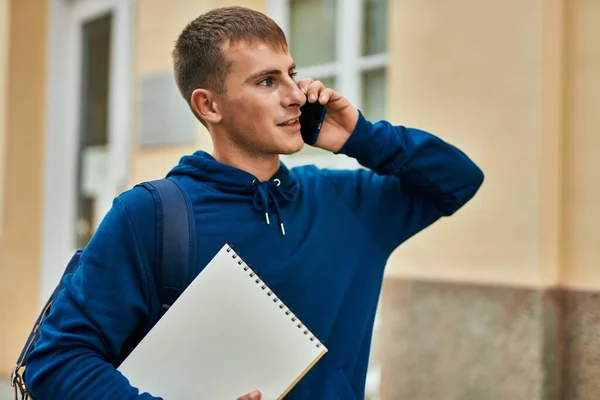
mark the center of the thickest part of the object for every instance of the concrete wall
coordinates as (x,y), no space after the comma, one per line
(20,242)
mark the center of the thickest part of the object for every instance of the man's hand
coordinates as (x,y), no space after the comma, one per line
(340,119)
(255,395)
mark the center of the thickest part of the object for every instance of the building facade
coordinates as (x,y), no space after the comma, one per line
(500,301)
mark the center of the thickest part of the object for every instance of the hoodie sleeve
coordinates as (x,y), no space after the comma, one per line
(412,178)
(103,304)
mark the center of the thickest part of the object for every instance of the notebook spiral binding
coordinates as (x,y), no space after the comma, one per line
(270,293)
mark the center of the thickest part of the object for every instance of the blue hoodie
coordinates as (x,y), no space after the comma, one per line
(320,238)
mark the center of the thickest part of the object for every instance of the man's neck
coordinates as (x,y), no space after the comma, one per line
(262,167)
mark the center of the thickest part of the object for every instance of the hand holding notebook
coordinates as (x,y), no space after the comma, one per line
(255,395)
(226,335)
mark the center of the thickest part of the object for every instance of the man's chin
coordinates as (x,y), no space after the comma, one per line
(291,150)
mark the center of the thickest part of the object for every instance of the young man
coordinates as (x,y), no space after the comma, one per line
(320,238)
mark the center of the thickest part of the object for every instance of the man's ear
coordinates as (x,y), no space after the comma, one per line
(204,103)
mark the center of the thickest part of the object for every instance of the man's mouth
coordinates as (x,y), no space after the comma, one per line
(291,122)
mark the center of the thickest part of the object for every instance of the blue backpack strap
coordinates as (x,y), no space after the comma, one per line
(16,378)
(176,233)
(175,253)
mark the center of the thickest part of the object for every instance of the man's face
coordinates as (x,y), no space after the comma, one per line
(262,103)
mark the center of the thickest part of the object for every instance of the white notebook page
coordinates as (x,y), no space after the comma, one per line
(223,338)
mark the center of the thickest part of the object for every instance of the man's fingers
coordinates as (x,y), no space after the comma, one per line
(326,95)
(255,395)
(304,83)
(314,91)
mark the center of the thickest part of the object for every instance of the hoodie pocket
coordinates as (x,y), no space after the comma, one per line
(338,387)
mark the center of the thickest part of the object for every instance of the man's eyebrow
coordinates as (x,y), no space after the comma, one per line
(266,72)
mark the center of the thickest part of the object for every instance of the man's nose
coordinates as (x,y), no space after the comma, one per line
(294,97)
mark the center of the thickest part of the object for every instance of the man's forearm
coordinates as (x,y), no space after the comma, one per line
(425,164)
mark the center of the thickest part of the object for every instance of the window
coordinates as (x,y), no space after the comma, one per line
(342,43)
(94,118)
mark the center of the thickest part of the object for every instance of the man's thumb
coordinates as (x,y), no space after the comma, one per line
(255,395)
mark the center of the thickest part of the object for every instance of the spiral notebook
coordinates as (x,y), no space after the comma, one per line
(227,335)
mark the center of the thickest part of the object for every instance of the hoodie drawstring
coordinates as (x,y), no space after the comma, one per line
(267,192)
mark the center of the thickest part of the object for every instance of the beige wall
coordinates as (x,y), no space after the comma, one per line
(158,25)
(20,244)
(582,146)
(515,87)
(4,35)
(478,87)
(489,76)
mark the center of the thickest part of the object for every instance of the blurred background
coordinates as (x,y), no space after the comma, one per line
(500,301)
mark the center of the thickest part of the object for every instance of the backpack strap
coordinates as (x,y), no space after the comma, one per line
(16,377)
(176,233)
(175,252)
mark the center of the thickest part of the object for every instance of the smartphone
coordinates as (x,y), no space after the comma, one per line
(311,121)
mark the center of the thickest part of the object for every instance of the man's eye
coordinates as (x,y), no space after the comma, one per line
(293,75)
(266,82)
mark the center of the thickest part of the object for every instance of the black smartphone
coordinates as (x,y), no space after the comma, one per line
(311,120)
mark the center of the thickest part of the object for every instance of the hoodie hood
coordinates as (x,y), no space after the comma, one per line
(267,197)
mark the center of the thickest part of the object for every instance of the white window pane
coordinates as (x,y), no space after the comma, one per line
(312,31)
(375,35)
(374,92)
